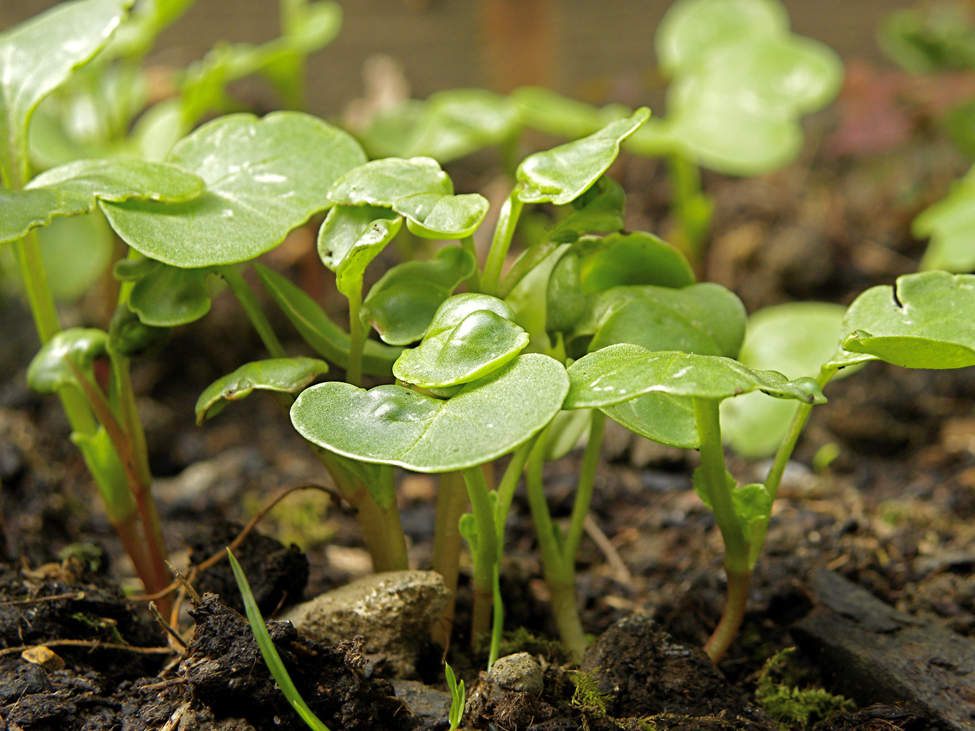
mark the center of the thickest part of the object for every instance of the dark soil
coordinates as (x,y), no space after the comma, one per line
(892,513)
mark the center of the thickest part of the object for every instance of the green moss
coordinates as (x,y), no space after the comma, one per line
(587,695)
(787,705)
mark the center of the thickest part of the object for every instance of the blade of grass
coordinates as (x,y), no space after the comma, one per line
(270,653)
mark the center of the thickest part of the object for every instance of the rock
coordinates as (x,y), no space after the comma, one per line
(519,672)
(393,613)
(428,705)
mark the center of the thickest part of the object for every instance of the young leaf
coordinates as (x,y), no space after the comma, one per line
(562,174)
(264,177)
(76,188)
(924,321)
(57,363)
(402,304)
(470,336)
(621,372)
(284,375)
(417,189)
(350,238)
(949,223)
(752,506)
(393,425)
(38,56)
(598,210)
(163,295)
(319,331)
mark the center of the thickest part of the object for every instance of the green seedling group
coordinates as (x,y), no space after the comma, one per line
(479,355)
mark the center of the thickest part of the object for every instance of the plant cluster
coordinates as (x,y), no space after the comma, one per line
(477,359)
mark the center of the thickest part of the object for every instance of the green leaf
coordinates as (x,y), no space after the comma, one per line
(635,258)
(319,331)
(76,252)
(621,372)
(38,56)
(401,305)
(264,177)
(470,336)
(163,295)
(393,425)
(562,174)
(600,210)
(924,321)
(949,224)
(417,189)
(283,375)
(54,366)
(752,505)
(660,417)
(546,110)
(565,301)
(794,339)
(75,189)
(692,27)
(448,125)
(704,318)
(269,652)
(350,238)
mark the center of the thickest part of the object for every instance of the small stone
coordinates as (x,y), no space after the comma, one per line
(43,656)
(393,612)
(519,672)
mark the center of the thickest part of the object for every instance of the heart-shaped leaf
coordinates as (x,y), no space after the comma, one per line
(417,189)
(393,425)
(319,331)
(562,174)
(54,366)
(635,258)
(283,375)
(264,177)
(76,188)
(402,304)
(924,321)
(163,295)
(621,372)
(350,238)
(704,318)
(38,56)
(470,336)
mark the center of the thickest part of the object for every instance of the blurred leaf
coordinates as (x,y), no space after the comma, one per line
(393,425)
(546,110)
(76,252)
(950,223)
(283,375)
(264,178)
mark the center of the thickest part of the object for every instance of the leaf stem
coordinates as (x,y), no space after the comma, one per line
(473,282)
(447,545)
(584,488)
(486,553)
(559,572)
(734,612)
(504,232)
(245,295)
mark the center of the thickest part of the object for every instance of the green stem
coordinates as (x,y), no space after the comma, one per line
(245,295)
(692,207)
(559,573)
(712,478)
(357,340)
(584,490)
(509,481)
(473,282)
(504,232)
(485,554)
(447,545)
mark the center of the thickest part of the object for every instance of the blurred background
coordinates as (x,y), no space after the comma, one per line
(593,51)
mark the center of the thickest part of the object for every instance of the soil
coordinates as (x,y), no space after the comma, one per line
(893,512)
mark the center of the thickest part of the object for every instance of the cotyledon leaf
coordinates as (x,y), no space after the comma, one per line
(394,425)
(264,177)
(75,189)
(924,321)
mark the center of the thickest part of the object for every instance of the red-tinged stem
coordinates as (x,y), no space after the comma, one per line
(734,612)
(447,546)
